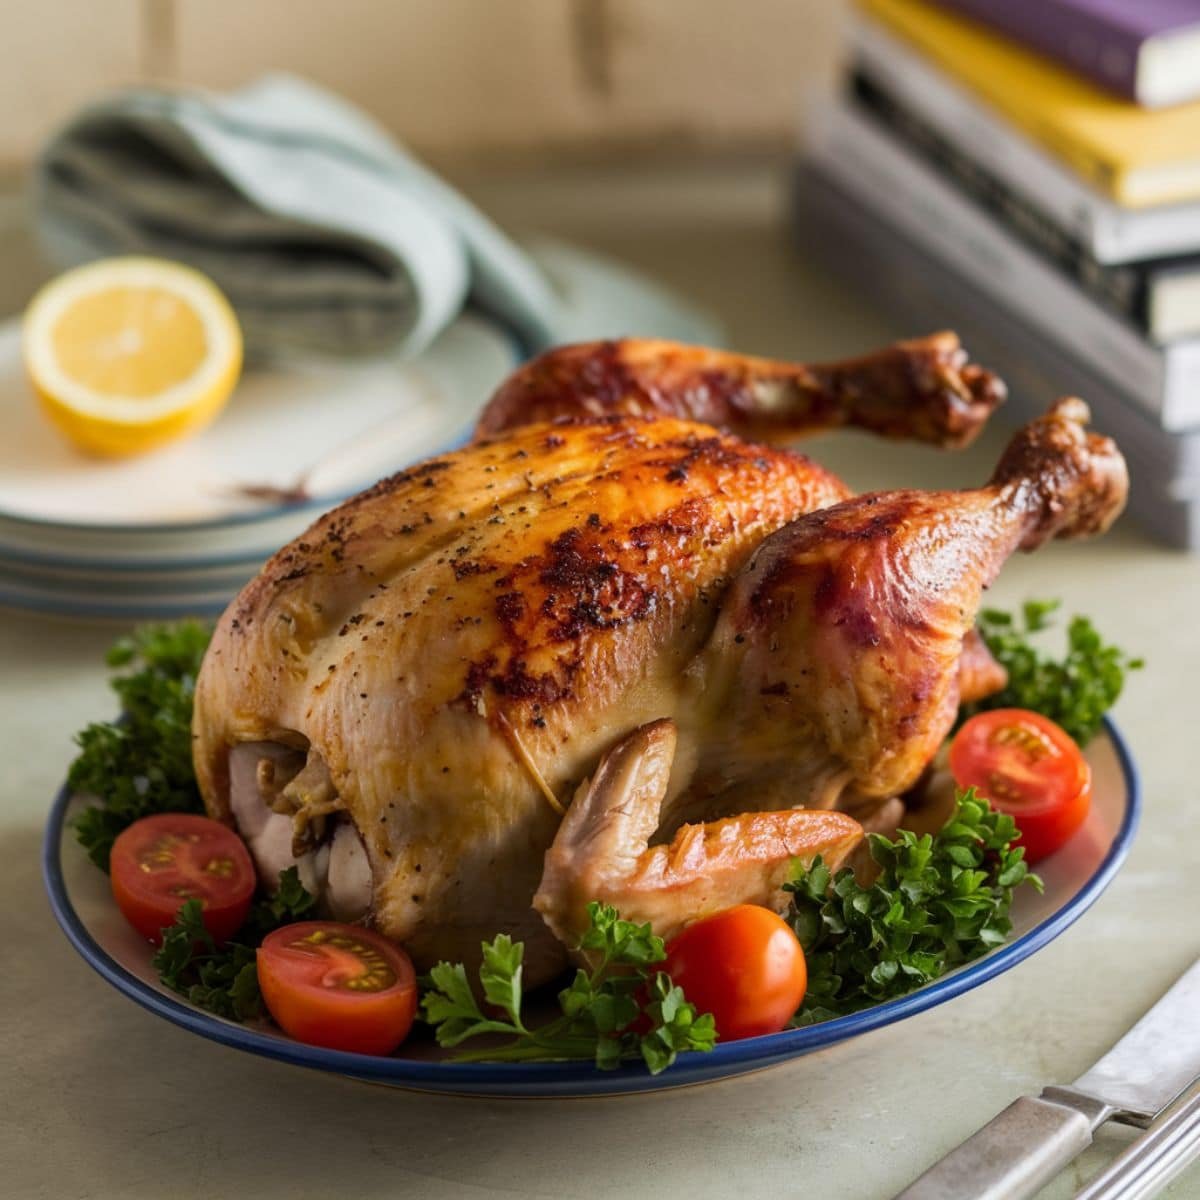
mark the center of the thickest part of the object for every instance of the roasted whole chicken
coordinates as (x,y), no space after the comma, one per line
(612,650)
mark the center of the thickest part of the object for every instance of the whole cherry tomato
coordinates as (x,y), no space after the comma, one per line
(743,965)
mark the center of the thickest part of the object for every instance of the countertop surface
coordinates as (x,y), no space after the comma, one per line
(101,1099)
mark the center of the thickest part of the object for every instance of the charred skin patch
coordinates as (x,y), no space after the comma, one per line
(713,453)
(608,572)
(544,688)
(510,609)
(589,585)
(465,568)
(583,584)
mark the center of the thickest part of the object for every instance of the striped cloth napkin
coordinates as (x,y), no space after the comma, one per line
(323,232)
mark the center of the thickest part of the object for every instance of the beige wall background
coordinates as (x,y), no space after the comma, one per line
(458,80)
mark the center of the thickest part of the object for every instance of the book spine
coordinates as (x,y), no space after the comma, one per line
(972,127)
(1082,41)
(1123,289)
(1112,234)
(906,194)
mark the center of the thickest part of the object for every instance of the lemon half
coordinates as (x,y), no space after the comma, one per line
(128,353)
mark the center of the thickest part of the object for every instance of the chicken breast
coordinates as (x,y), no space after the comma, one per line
(456,647)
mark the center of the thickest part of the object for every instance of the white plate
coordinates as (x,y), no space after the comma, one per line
(333,426)
(166,550)
(87,605)
(202,595)
(78,578)
(129,594)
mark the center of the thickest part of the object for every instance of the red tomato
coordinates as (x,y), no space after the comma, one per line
(1028,767)
(161,861)
(339,986)
(743,965)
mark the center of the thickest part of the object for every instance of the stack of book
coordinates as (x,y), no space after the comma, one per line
(1027,172)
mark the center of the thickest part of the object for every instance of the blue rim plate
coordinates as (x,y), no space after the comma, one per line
(1074,877)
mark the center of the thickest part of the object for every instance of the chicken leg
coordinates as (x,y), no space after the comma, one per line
(832,676)
(924,389)
(842,640)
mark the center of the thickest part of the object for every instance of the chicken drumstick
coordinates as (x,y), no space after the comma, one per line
(923,389)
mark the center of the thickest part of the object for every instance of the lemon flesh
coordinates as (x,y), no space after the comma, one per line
(127,354)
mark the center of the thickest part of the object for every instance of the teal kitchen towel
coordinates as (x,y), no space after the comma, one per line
(323,232)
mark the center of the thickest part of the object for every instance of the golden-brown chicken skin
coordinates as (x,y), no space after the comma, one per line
(698,648)
(473,633)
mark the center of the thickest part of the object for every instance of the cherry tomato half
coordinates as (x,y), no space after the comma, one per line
(743,965)
(339,986)
(161,861)
(1028,767)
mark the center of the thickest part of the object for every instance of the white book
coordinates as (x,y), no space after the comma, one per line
(1111,234)
(905,193)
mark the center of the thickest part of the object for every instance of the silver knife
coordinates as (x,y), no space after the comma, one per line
(1024,1147)
(1148,1164)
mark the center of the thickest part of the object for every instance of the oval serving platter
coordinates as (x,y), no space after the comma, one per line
(1074,878)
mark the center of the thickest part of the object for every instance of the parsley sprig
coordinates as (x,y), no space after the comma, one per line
(617,1010)
(224,980)
(1075,691)
(142,763)
(938,901)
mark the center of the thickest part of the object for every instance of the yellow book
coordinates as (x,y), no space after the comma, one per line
(1138,156)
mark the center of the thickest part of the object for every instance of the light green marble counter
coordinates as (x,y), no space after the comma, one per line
(100,1099)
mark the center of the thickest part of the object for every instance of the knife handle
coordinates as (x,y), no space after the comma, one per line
(1016,1152)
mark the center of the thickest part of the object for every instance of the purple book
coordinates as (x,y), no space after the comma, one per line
(1147,50)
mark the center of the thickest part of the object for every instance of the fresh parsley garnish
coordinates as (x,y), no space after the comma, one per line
(619,1009)
(938,901)
(224,980)
(142,763)
(1075,691)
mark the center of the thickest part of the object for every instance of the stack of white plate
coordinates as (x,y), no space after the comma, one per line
(177,532)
